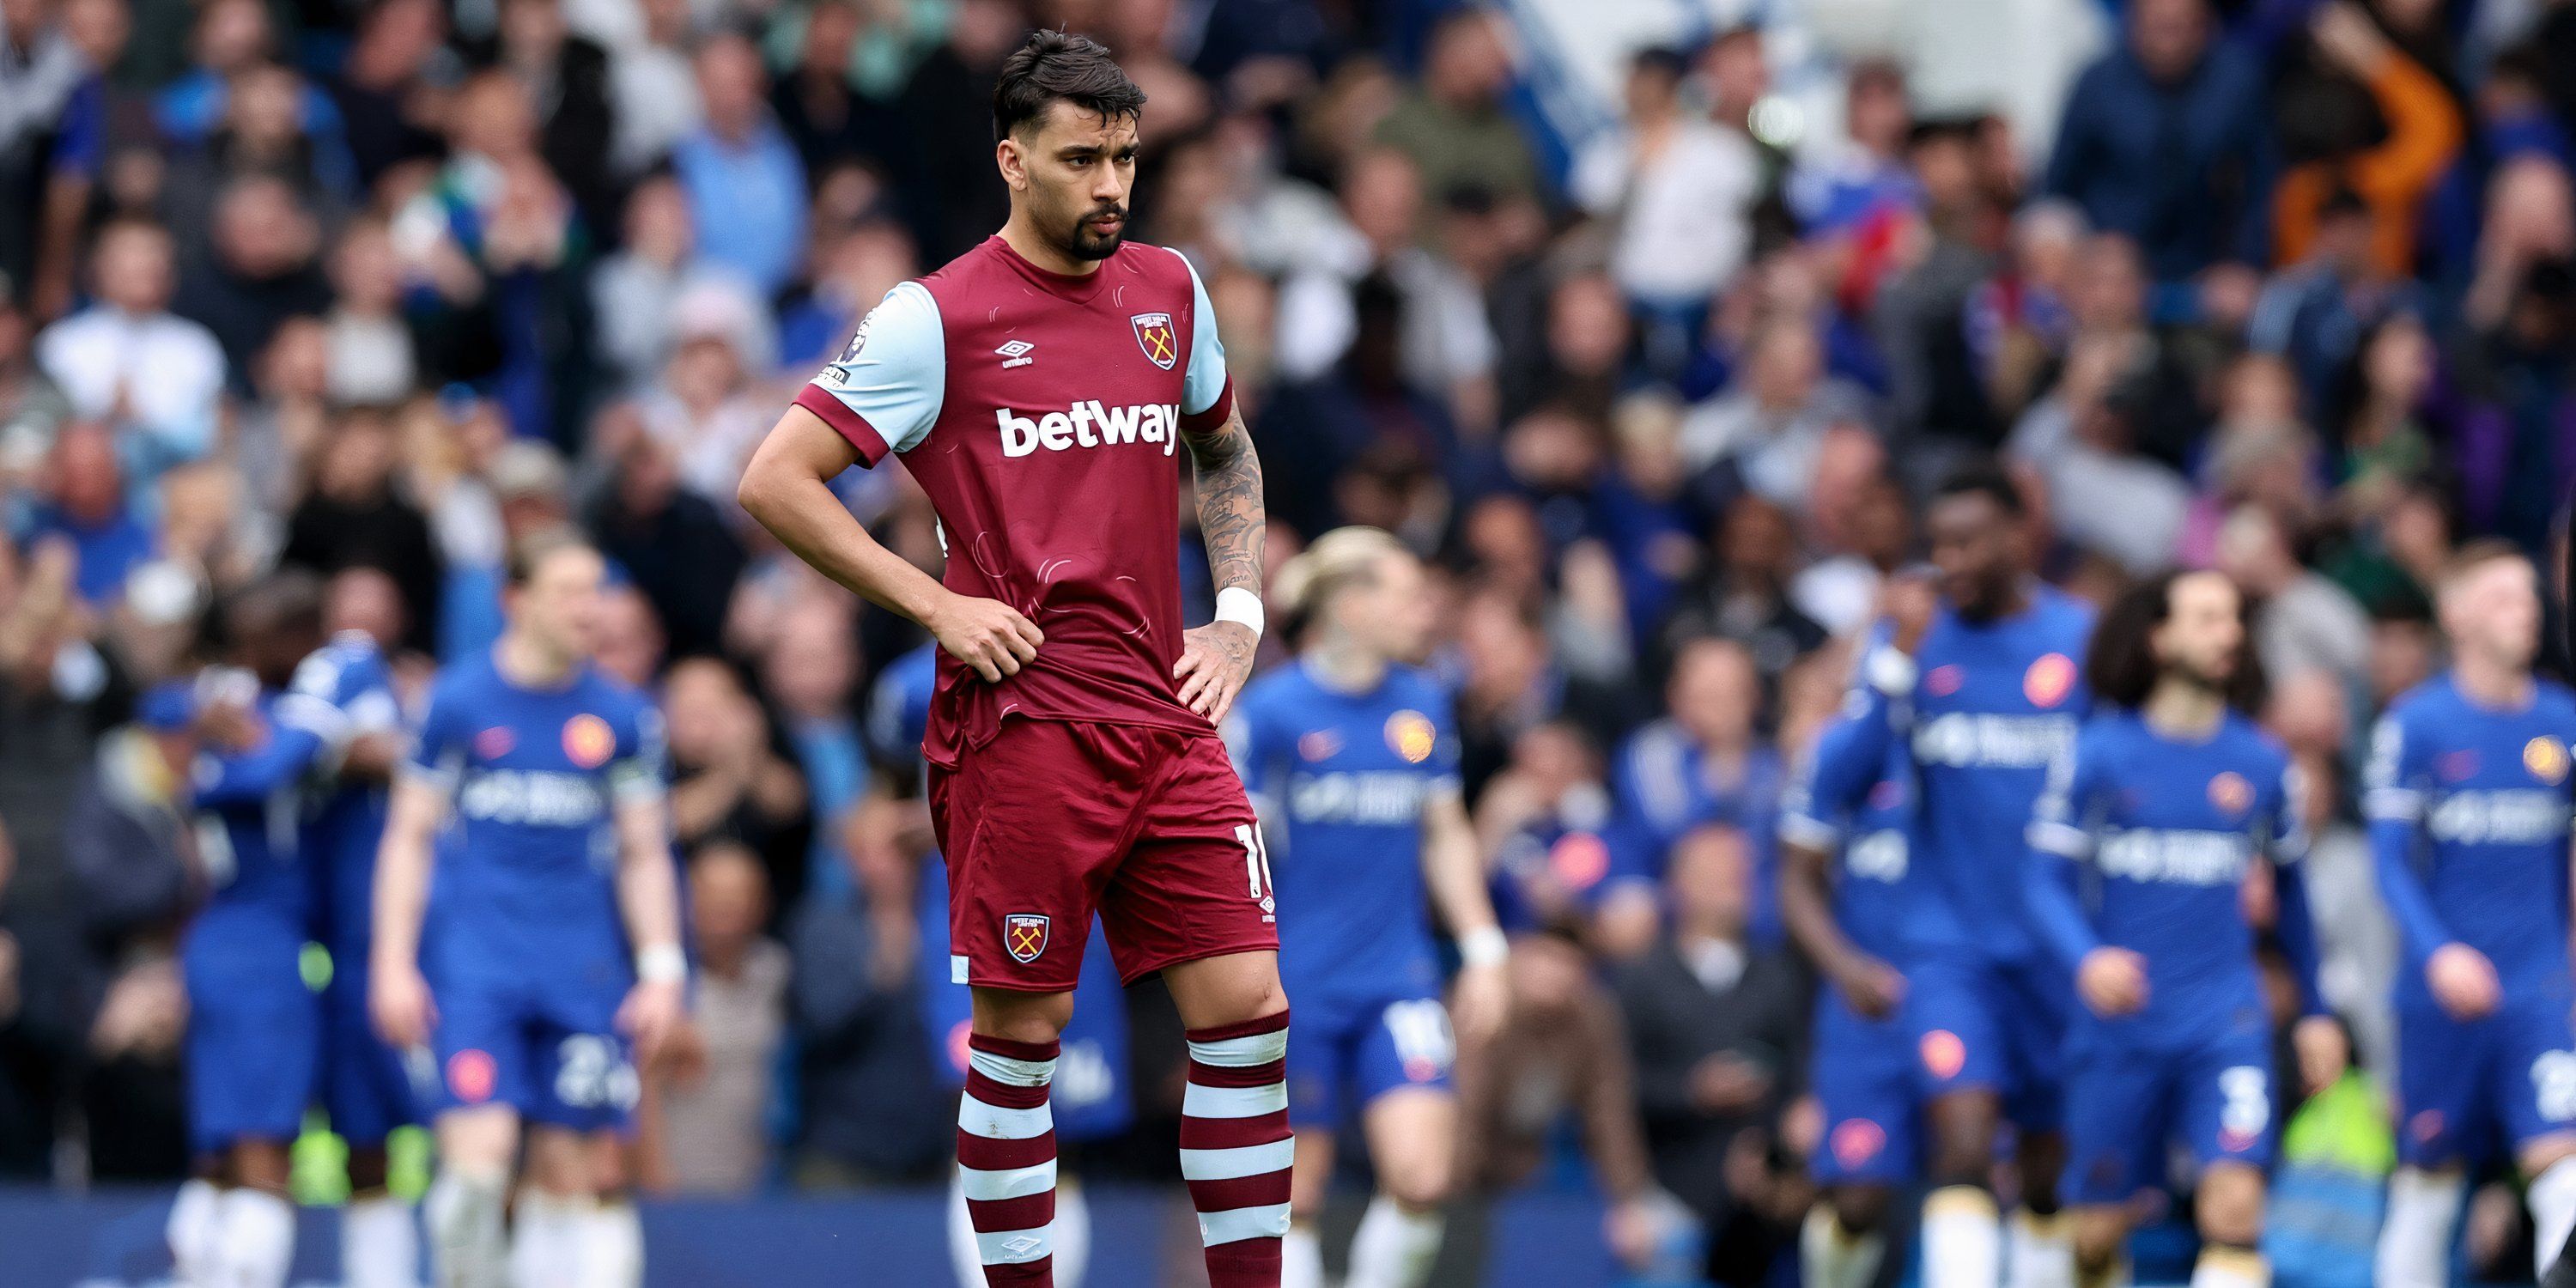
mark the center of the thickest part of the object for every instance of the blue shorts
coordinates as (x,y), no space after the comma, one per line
(1980,1023)
(545,1044)
(2127,1103)
(1863,1074)
(254,1038)
(2460,1086)
(365,1088)
(1349,1054)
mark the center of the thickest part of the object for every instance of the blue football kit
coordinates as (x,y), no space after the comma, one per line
(2469,818)
(2145,840)
(1853,797)
(1341,781)
(254,1027)
(1091,1097)
(524,949)
(365,1087)
(1982,709)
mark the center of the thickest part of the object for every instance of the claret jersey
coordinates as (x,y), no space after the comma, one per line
(1041,413)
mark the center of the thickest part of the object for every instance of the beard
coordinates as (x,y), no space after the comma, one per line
(1082,242)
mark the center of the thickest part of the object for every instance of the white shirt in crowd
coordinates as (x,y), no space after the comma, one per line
(168,371)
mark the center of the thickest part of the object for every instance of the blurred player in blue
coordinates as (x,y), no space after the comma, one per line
(1351,756)
(365,1088)
(516,970)
(254,1027)
(1984,691)
(1852,800)
(1092,1097)
(2144,843)
(2467,799)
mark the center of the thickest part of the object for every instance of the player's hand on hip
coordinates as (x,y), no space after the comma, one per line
(652,1012)
(986,634)
(2463,981)
(398,1000)
(2323,1052)
(1215,661)
(2113,981)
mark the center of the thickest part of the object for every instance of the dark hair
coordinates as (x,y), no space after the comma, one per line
(1985,479)
(2121,665)
(1057,65)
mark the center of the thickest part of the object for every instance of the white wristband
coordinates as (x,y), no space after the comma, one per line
(1889,671)
(1235,604)
(1485,947)
(661,964)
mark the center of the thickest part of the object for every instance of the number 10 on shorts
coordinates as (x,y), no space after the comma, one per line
(1256,868)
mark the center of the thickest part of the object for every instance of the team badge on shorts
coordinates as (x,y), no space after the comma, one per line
(2047,681)
(588,740)
(1024,935)
(2546,758)
(1155,336)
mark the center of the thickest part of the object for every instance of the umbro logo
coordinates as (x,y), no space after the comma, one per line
(1016,354)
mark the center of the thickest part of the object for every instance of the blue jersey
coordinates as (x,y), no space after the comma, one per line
(1665,787)
(1341,781)
(1853,795)
(1991,704)
(2468,810)
(249,809)
(1091,1098)
(347,820)
(2164,831)
(526,869)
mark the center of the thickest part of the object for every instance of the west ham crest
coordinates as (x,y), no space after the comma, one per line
(1024,936)
(1155,336)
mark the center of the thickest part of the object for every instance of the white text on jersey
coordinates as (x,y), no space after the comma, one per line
(1089,424)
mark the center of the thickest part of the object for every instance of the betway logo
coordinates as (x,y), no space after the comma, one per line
(1088,424)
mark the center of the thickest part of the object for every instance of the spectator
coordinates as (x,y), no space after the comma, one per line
(2301,621)
(2189,192)
(653,88)
(1763,436)
(672,542)
(745,184)
(87,511)
(1744,596)
(815,103)
(128,361)
(263,270)
(131,850)
(702,408)
(714,1121)
(811,670)
(42,72)
(1561,1052)
(728,784)
(1705,763)
(369,349)
(1454,128)
(494,242)
(381,86)
(355,516)
(2391,176)
(261,137)
(567,78)
(1714,1022)
(1678,189)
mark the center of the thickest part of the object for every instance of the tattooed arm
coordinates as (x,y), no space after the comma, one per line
(1216,658)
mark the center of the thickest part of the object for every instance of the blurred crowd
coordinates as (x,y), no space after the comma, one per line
(368,287)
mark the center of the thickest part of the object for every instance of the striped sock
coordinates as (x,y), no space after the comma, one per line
(1236,1149)
(1006,1159)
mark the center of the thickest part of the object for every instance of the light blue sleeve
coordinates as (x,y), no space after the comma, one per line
(883,393)
(1205,381)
